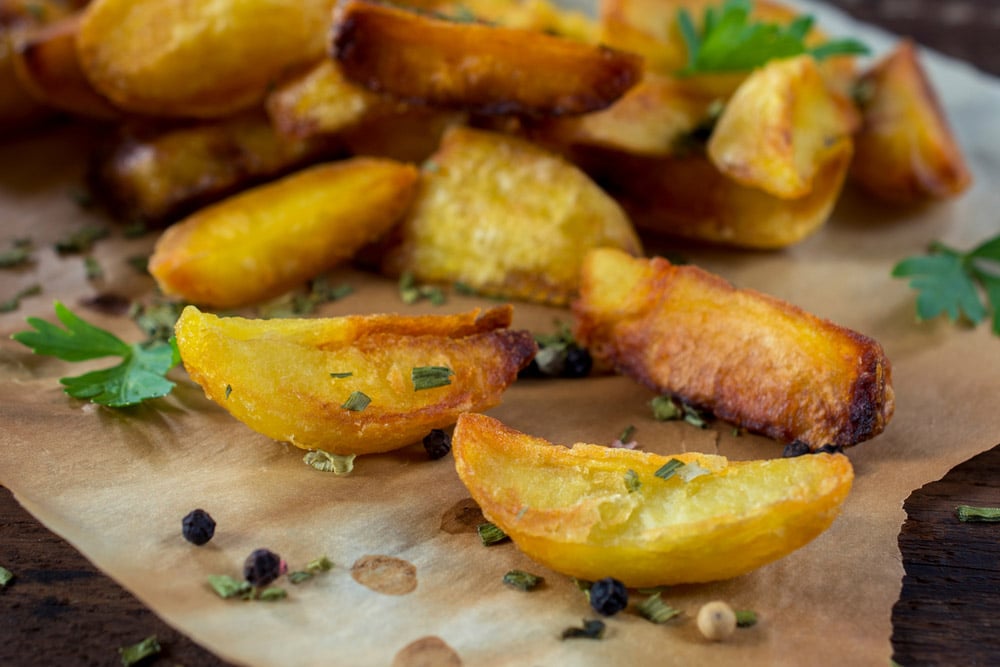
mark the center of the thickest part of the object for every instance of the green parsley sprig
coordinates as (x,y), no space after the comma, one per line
(949,281)
(139,376)
(730,41)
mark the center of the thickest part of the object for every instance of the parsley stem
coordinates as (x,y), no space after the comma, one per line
(984,514)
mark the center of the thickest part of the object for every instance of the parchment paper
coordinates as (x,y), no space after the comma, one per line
(115,483)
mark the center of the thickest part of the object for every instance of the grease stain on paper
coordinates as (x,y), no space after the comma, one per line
(462,517)
(427,651)
(385,574)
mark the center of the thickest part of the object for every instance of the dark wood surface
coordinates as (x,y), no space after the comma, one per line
(60,610)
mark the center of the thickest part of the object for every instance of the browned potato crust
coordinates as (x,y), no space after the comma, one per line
(474,66)
(47,64)
(905,151)
(750,358)
(157,174)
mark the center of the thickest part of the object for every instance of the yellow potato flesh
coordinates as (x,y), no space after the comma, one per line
(570,509)
(508,218)
(275,375)
(272,238)
(200,59)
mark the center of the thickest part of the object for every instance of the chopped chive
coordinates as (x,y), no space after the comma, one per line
(632,482)
(356,402)
(16,256)
(326,462)
(229,390)
(429,377)
(655,610)
(669,469)
(627,433)
(271,594)
(14,302)
(81,240)
(583,586)
(745,618)
(665,408)
(969,513)
(299,576)
(521,580)
(694,417)
(321,564)
(228,587)
(592,629)
(5,576)
(130,655)
(346,374)
(490,534)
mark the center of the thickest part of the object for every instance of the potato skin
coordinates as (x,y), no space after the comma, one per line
(476,67)
(203,59)
(265,241)
(275,375)
(506,218)
(906,152)
(750,358)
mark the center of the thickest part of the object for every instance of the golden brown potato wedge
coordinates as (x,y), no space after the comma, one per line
(197,59)
(780,127)
(537,15)
(290,379)
(406,133)
(688,197)
(650,119)
(473,66)
(905,151)
(507,218)
(265,241)
(46,62)
(573,510)
(157,173)
(750,358)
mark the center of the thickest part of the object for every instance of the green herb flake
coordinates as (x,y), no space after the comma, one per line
(297,305)
(522,581)
(16,256)
(131,655)
(338,464)
(92,268)
(229,390)
(490,534)
(745,618)
(140,263)
(464,289)
(592,629)
(731,41)
(81,240)
(299,576)
(627,433)
(669,469)
(632,482)
(410,292)
(14,302)
(141,374)
(655,610)
(949,282)
(357,401)
(345,374)
(430,377)
(157,319)
(272,594)
(227,587)
(970,513)
(5,577)
(312,568)
(694,417)
(583,586)
(665,408)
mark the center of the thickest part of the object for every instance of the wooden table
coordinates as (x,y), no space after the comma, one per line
(61,610)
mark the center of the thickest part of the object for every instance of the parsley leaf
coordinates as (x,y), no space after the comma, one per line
(139,376)
(949,281)
(730,41)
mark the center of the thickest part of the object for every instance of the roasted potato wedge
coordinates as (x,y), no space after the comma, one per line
(158,173)
(473,66)
(570,508)
(506,218)
(265,241)
(650,119)
(780,127)
(905,151)
(753,360)
(537,15)
(286,378)
(47,64)
(406,133)
(197,59)
(689,198)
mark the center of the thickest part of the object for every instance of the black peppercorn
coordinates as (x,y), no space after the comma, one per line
(608,596)
(198,527)
(793,449)
(262,567)
(578,362)
(437,443)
